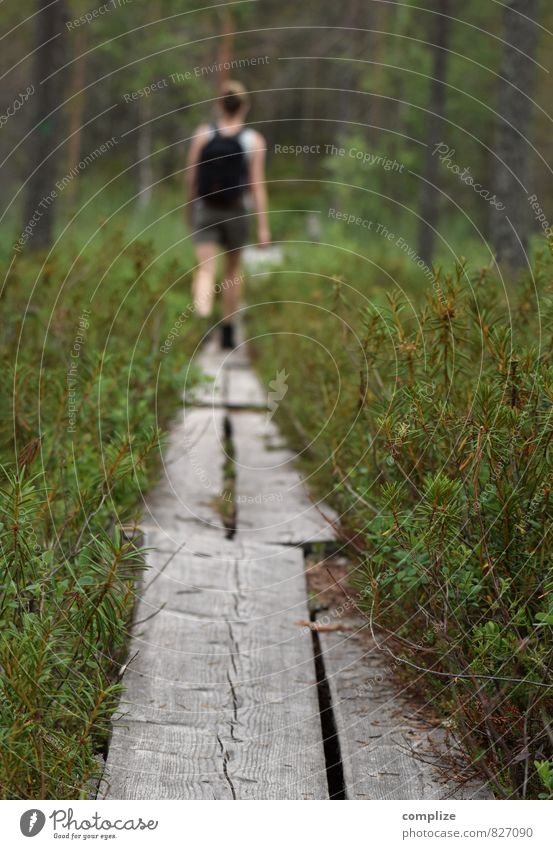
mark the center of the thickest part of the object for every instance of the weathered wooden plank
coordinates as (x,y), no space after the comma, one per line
(221,699)
(271,499)
(147,761)
(243,389)
(228,377)
(175,762)
(186,496)
(209,360)
(378,728)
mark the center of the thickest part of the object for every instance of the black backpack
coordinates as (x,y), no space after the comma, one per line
(222,171)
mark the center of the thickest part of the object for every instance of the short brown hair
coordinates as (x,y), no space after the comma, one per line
(233,97)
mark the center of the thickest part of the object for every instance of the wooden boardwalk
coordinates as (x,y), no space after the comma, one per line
(223,696)
(386,743)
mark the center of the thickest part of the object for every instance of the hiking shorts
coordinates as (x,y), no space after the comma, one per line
(227,226)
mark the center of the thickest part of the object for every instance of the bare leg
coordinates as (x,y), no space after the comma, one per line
(232,285)
(204,278)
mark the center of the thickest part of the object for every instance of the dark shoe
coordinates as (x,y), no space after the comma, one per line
(227,337)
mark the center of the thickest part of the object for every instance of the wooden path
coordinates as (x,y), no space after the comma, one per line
(223,697)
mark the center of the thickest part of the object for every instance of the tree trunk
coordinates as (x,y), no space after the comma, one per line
(144,146)
(346,75)
(429,202)
(226,46)
(46,119)
(75,108)
(379,49)
(512,153)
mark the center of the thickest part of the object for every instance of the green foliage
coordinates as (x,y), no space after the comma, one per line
(430,429)
(91,390)
(545,773)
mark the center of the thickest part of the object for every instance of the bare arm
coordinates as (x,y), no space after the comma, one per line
(191,170)
(259,188)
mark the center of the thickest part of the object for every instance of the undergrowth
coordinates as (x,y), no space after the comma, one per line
(428,422)
(85,392)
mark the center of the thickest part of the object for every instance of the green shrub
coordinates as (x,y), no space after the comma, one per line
(435,445)
(85,390)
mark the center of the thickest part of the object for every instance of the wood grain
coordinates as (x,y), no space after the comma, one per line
(272,502)
(192,475)
(221,699)
(384,738)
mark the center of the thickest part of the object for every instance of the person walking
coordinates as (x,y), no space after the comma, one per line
(225,176)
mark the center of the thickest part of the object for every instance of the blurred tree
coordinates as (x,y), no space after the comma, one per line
(226,44)
(76,93)
(50,37)
(355,75)
(429,196)
(510,228)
